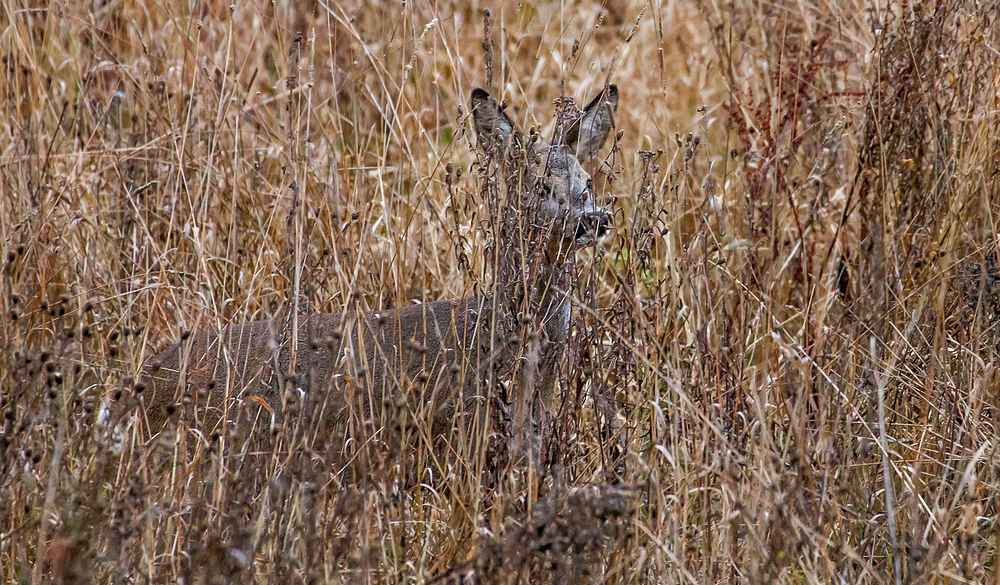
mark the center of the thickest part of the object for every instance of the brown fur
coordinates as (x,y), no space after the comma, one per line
(415,346)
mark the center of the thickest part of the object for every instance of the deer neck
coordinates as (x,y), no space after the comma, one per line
(552,297)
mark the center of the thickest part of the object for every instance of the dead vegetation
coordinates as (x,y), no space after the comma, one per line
(782,367)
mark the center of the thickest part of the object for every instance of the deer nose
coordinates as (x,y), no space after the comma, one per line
(593,225)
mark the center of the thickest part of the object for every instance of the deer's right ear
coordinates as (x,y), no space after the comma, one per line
(488,118)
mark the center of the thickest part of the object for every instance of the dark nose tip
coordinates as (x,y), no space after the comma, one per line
(594,224)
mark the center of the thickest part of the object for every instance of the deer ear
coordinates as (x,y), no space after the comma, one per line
(488,118)
(586,135)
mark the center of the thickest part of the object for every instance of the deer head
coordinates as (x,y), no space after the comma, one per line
(554,186)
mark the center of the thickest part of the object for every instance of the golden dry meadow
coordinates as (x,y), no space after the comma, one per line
(781,365)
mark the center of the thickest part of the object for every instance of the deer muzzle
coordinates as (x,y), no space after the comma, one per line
(594,225)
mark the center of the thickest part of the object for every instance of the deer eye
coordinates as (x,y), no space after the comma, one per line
(547,188)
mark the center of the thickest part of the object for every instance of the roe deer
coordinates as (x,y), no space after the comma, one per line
(431,355)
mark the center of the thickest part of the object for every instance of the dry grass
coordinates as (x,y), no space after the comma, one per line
(784,365)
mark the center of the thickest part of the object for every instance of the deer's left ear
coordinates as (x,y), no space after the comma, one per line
(586,136)
(488,118)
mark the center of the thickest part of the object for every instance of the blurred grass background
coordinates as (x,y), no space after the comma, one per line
(785,366)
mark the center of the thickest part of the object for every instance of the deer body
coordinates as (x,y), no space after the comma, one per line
(336,354)
(432,356)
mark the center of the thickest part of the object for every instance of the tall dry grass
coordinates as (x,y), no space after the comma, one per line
(784,363)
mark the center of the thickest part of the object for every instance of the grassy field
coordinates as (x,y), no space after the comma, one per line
(784,361)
